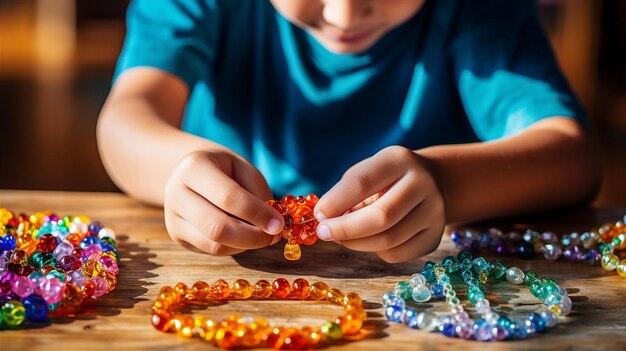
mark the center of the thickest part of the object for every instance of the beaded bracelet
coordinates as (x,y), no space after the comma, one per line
(434,280)
(300,224)
(595,246)
(246,332)
(50,266)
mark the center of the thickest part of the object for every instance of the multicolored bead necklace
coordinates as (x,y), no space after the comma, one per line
(595,246)
(300,224)
(246,332)
(50,266)
(434,280)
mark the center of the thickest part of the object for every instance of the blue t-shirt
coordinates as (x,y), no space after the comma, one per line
(457,72)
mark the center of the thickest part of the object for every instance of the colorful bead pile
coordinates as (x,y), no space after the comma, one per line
(247,332)
(434,280)
(595,246)
(50,266)
(300,224)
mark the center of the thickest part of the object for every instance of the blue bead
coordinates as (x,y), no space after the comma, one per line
(95,227)
(90,240)
(107,247)
(7,242)
(410,318)
(525,250)
(456,237)
(394,313)
(539,323)
(428,274)
(437,291)
(36,308)
(448,329)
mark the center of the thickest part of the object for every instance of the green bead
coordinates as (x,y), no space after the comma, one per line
(464,255)
(474,297)
(109,240)
(40,259)
(13,313)
(548,280)
(535,287)
(480,264)
(453,300)
(530,277)
(498,269)
(616,241)
(549,288)
(430,264)
(331,330)
(451,264)
(473,290)
(404,290)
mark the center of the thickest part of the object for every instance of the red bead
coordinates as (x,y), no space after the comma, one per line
(295,341)
(281,287)
(69,263)
(47,243)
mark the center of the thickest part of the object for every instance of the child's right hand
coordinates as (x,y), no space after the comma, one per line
(214,203)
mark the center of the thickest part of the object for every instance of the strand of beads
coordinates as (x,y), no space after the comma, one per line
(595,246)
(300,224)
(50,266)
(434,280)
(246,332)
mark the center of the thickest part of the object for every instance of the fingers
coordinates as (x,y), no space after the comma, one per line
(213,184)
(411,225)
(362,181)
(190,238)
(213,224)
(379,216)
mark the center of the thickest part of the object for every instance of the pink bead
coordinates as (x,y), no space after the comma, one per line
(78,278)
(93,249)
(51,290)
(102,286)
(63,249)
(464,330)
(110,264)
(22,286)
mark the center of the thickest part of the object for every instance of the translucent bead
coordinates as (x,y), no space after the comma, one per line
(262,289)
(334,296)
(35,308)
(241,289)
(409,318)
(281,287)
(565,305)
(550,318)
(318,290)
(552,252)
(300,288)
(482,306)
(102,286)
(417,279)
(610,262)
(331,330)
(389,296)
(106,232)
(51,289)
(403,289)
(515,275)
(621,269)
(491,317)
(292,252)
(421,294)
(22,286)
(482,330)
(426,321)
(350,324)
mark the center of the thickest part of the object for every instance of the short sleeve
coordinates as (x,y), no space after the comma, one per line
(506,73)
(177,36)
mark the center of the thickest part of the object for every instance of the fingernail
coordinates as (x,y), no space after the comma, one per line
(274,226)
(275,239)
(319,216)
(323,233)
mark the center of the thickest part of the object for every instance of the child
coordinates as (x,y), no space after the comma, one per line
(413,113)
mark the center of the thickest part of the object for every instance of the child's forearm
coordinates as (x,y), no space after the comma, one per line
(138,137)
(550,164)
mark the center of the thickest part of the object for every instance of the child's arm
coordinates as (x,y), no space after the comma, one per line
(399,200)
(208,191)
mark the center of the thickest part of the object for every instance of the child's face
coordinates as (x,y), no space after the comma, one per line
(347,26)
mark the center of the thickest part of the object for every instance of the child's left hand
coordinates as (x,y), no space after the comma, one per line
(389,204)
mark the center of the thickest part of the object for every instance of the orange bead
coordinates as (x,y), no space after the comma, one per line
(311,200)
(242,289)
(314,336)
(334,296)
(184,325)
(88,289)
(219,290)
(262,289)
(225,338)
(352,299)
(72,298)
(350,324)
(292,252)
(200,290)
(161,320)
(281,288)
(318,290)
(275,338)
(74,239)
(300,288)
(295,341)
(181,289)
(204,328)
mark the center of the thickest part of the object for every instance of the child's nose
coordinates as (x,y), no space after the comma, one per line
(346,14)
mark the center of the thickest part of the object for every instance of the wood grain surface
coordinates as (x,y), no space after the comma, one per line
(120,320)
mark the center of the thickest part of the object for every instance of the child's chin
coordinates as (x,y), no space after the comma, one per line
(346,48)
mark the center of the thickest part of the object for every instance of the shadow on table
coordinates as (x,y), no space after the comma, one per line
(135,267)
(325,260)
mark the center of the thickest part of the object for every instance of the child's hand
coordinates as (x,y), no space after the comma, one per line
(214,203)
(389,204)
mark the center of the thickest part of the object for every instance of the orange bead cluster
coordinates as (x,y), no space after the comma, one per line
(245,332)
(300,224)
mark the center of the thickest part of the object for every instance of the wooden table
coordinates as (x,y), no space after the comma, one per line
(120,320)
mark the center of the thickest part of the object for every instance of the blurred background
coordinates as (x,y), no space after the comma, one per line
(57,58)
